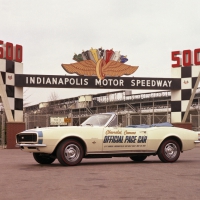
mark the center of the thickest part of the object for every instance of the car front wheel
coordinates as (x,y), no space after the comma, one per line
(43,158)
(169,151)
(138,158)
(70,152)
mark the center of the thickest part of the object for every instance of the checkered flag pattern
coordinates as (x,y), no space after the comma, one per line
(12,96)
(181,98)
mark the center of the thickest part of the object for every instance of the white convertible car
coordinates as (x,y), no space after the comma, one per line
(100,136)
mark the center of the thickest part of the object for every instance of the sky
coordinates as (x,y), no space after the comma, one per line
(51,31)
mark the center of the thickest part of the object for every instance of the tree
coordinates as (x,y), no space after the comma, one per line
(25,102)
(53,97)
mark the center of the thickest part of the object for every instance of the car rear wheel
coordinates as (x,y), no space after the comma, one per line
(42,158)
(169,151)
(70,152)
(138,158)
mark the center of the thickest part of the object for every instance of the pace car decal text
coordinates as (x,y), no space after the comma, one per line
(125,139)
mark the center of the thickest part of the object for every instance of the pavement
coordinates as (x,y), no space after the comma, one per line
(99,179)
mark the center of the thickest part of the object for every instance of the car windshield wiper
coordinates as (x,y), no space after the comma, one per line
(89,124)
(86,124)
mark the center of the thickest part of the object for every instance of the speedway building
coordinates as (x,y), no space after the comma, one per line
(144,108)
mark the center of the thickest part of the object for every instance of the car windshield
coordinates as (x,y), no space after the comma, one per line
(97,120)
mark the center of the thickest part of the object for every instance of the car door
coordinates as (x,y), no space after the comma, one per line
(93,136)
(124,139)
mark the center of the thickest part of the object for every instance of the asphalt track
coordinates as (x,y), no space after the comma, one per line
(116,178)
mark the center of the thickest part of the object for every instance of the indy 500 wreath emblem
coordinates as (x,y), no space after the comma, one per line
(101,63)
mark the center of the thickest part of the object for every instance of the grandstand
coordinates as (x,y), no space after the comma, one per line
(144,108)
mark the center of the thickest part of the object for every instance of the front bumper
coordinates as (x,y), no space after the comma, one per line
(31,145)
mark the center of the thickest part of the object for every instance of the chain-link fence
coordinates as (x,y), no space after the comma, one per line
(149,119)
(33,121)
(195,120)
(46,120)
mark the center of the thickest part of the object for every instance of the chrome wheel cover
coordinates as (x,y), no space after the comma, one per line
(170,150)
(72,152)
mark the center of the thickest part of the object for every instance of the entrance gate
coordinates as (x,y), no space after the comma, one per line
(97,69)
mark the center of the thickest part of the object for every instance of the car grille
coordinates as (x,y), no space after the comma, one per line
(30,137)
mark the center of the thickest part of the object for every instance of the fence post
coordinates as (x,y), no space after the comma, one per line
(168,118)
(3,121)
(128,119)
(70,115)
(148,119)
(47,120)
(26,120)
